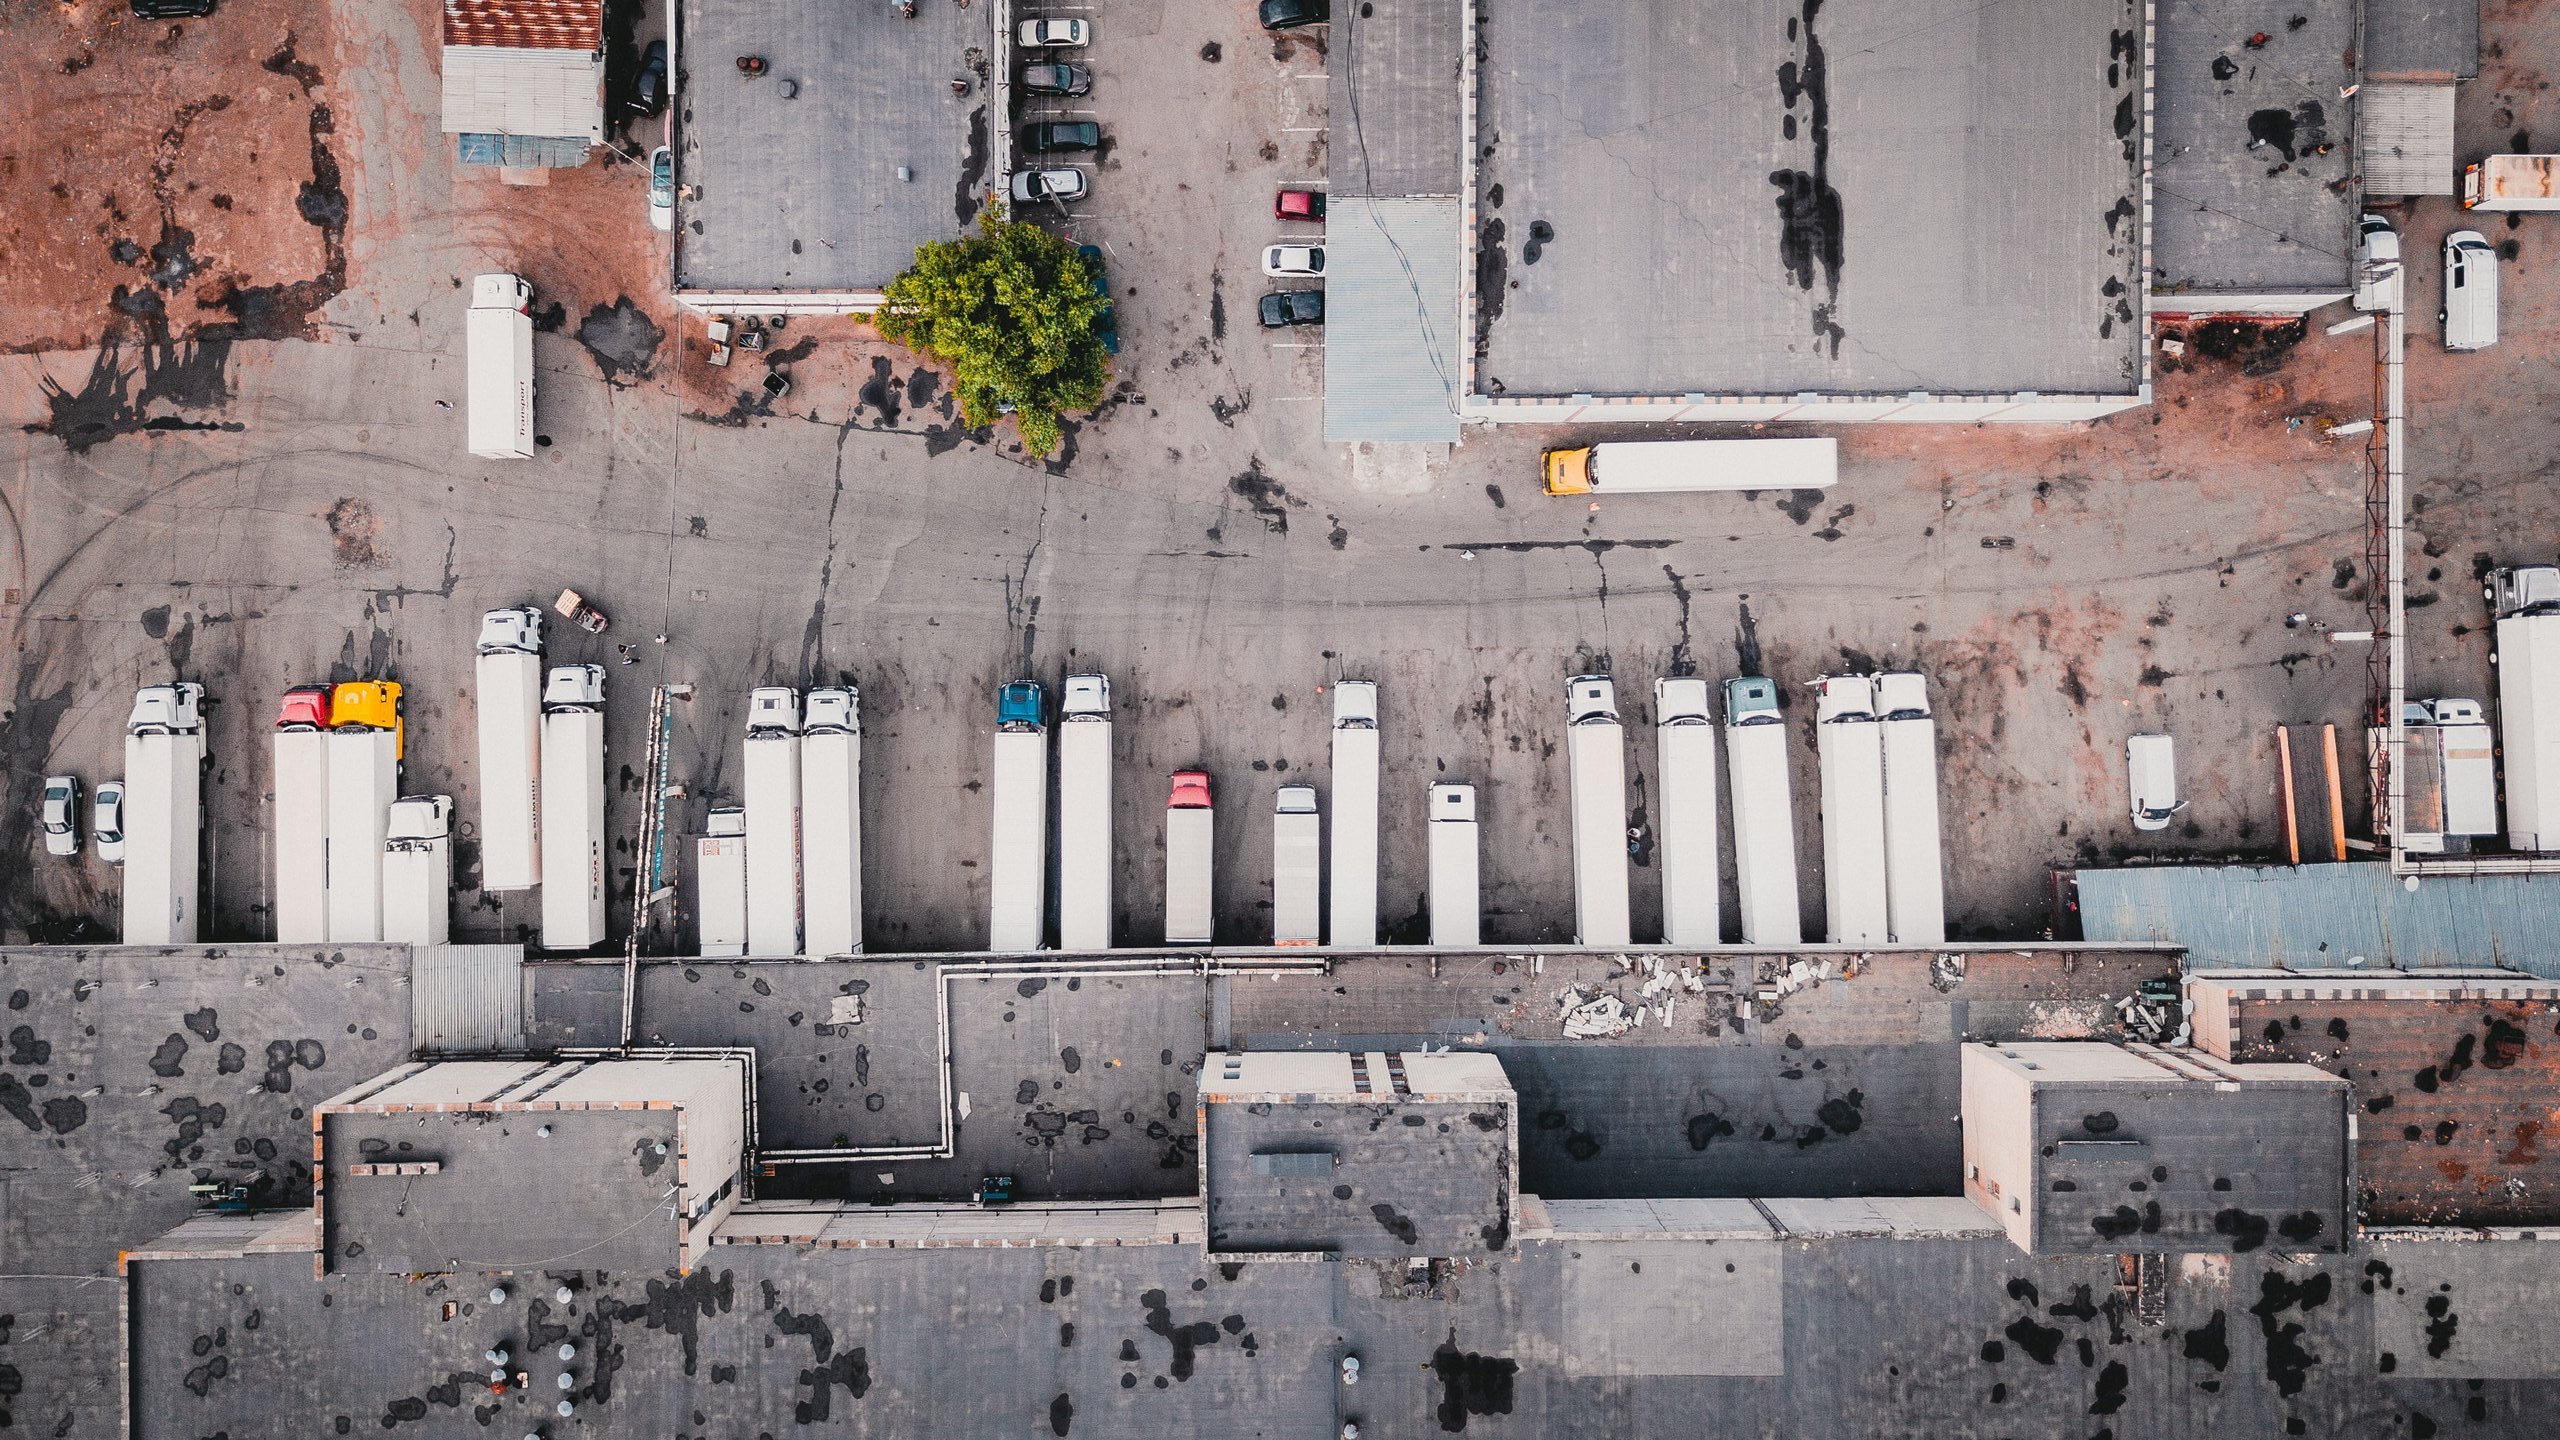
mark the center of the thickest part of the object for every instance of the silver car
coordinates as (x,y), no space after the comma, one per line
(1052,34)
(61,815)
(1062,185)
(106,821)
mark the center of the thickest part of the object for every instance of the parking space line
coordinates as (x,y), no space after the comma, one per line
(1302,129)
(1279,345)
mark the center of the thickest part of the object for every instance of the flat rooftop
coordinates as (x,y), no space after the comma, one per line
(1764,198)
(789,180)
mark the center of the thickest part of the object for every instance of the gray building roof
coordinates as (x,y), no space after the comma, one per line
(2435,39)
(1392,343)
(2327,916)
(1393,98)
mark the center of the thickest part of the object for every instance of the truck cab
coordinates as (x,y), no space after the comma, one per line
(1751,700)
(1902,696)
(1568,471)
(1590,700)
(1191,791)
(573,687)
(1842,699)
(370,705)
(420,817)
(1019,706)
(773,710)
(1087,697)
(305,707)
(2523,590)
(1355,705)
(833,710)
(1680,700)
(518,630)
(166,709)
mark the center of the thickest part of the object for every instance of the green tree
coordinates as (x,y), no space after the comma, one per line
(1014,313)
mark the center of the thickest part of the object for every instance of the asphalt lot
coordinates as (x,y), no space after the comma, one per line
(314,516)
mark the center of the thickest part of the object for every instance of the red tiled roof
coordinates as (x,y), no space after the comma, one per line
(525,24)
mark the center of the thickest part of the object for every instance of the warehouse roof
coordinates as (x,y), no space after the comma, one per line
(526,24)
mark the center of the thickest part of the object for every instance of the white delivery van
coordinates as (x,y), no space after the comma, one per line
(498,354)
(2470,311)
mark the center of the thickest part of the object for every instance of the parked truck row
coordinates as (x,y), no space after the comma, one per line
(781,875)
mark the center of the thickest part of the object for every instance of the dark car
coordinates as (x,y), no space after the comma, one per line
(1100,279)
(1283,308)
(171,9)
(1053,136)
(1290,14)
(1056,79)
(649,87)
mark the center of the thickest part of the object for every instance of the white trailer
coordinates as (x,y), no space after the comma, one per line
(831,823)
(417,871)
(2512,182)
(364,778)
(498,353)
(2468,762)
(1850,747)
(573,808)
(720,884)
(1764,821)
(1457,905)
(773,822)
(1637,467)
(1297,868)
(1596,759)
(1084,815)
(510,726)
(164,751)
(1914,864)
(1190,841)
(1018,847)
(1355,815)
(2527,654)
(302,836)
(1685,759)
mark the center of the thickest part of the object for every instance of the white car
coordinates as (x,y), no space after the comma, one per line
(662,188)
(2377,265)
(1052,34)
(61,815)
(1062,184)
(2470,309)
(1293,260)
(2151,775)
(106,821)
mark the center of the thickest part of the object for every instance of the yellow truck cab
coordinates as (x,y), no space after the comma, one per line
(1569,471)
(370,705)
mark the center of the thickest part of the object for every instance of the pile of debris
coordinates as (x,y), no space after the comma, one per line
(1593,1013)
(2154,1014)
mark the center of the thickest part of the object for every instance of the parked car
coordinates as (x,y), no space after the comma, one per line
(1052,34)
(2151,775)
(1293,260)
(61,815)
(662,189)
(171,9)
(2470,310)
(2377,264)
(106,821)
(1298,205)
(649,87)
(1062,184)
(1051,137)
(1290,14)
(1056,79)
(1100,279)
(1283,308)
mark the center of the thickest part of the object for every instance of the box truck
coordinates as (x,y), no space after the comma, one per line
(1018,849)
(1190,835)
(1297,868)
(1355,815)
(364,778)
(302,816)
(498,353)
(573,808)
(720,884)
(773,822)
(2512,182)
(1850,746)
(831,822)
(2467,759)
(2526,652)
(1914,867)
(1638,467)
(1084,814)
(510,724)
(1456,904)
(1684,736)
(164,752)
(417,871)
(1764,822)
(1596,762)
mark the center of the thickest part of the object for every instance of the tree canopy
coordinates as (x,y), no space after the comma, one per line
(1017,315)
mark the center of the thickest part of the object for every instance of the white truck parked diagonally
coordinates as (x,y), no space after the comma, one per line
(164,752)
(498,353)
(2526,602)
(720,884)
(1596,759)
(1764,823)
(1297,868)
(1685,756)
(573,808)
(773,822)
(1457,904)
(1084,814)
(1914,867)
(1018,848)
(1355,815)
(1850,747)
(831,822)
(510,732)
(1190,843)
(417,871)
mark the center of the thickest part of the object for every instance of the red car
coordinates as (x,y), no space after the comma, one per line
(1190,791)
(306,707)
(1298,205)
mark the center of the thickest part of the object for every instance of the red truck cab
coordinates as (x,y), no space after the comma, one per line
(1190,791)
(306,707)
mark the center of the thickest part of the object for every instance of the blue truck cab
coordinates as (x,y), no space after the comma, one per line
(1018,706)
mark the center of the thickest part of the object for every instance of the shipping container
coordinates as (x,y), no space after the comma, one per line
(573,844)
(302,836)
(1914,865)
(1297,868)
(831,823)
(164,753)
(1018,849)
(1596,762)
(509,704)
(1850,746)
(1764,824)
(1190,843)
(364,778)
(1457,905)
(498,353)
(1685,755)
(1354,904)
(1084,814)
(720,884)
(772,788)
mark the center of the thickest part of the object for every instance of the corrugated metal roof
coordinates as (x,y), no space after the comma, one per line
(2323,916)
(1393,98)
(2404,139)
(526,24)
(466,997)
(520,152)
(496,91)
(1391,321)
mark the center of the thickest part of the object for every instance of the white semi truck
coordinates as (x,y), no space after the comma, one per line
(1190,842)
(510,725)
(1685,757)
(417,871)
(1018,847)
(1636,467)
(1297,868)
(1914,865)
(720,884)
(2526,602)
(1850,746)
(1457,905)
(302,816)
(1355,816)
(573,808)
(773,822)
(164,752)
(364,778)
(1764,822)
(1596,758)
(831,822)
(2512,182)
(1084,814)
(498,353)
